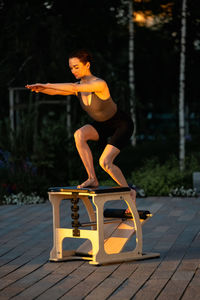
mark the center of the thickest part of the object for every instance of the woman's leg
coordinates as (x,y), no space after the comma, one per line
(106,162)
(81,136)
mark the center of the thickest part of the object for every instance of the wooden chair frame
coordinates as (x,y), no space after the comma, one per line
(107,246)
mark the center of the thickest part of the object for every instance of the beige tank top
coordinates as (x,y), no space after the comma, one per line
(99,110)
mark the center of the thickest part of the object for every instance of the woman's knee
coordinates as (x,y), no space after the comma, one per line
(105,163)
(86,133)
(79,135)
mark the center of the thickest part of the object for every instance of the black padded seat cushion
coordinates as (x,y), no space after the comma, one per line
(99,190)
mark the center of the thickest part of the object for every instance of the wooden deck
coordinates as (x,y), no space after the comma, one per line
(174,231)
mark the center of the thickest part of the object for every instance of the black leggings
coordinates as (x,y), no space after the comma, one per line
(116,131)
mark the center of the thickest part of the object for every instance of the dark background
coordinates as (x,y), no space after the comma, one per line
(35,40)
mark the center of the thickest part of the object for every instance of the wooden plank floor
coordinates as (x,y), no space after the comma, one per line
(174,231)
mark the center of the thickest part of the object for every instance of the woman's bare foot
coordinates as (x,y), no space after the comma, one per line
(133,196)
(90,182)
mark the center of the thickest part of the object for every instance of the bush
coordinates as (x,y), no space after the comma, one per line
(160,179)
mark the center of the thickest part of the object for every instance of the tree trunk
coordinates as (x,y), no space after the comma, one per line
(131,71)
(182,88)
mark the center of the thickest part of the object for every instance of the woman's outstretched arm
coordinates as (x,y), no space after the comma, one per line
(49,90)
(98,86)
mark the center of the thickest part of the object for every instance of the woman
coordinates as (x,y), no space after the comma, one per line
(108,121)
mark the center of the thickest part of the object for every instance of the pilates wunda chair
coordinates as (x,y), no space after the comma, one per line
(110,228)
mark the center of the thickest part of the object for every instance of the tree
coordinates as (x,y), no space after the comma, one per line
(131,70)
(182,88)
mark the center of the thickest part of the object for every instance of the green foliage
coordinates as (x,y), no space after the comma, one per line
(160,179)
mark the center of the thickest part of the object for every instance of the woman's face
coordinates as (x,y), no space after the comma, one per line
(78,69)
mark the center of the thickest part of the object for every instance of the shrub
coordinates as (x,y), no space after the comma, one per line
(160,179)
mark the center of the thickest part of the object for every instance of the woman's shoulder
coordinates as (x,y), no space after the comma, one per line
(95,78)
(101,82)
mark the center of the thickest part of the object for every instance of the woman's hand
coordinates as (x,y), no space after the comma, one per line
(37,87)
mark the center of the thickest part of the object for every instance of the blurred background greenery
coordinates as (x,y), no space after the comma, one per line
(37,149)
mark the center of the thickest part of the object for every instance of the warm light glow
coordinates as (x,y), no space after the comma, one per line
(139,17)
(147,18)
(142,18)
